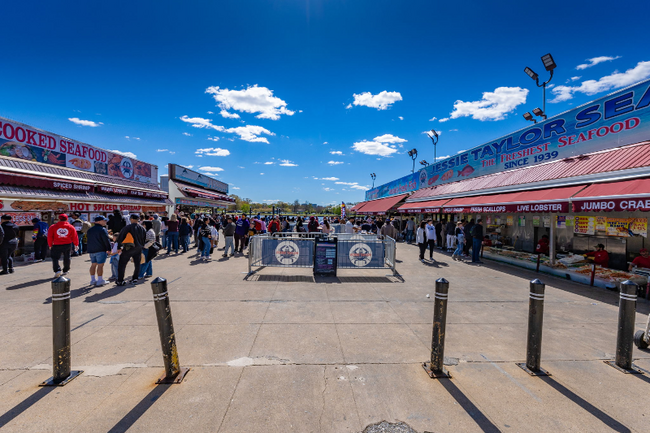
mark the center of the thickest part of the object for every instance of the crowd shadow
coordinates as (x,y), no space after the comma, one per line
(108,293)
(143,406)
(29,284)
(75,293)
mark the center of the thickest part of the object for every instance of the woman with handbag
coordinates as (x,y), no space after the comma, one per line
(146,270)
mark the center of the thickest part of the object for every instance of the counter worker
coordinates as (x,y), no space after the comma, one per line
(642,261)
(601,257)
(543,245)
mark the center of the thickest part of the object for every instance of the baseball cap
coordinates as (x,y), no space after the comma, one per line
(643,250)
(63,217)
(100,218)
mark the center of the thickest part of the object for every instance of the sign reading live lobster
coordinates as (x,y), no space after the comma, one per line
(614,120)
(31,144)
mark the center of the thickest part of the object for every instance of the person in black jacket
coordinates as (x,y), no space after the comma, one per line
(116,223)
(8,245)
(99,247)
(130,242)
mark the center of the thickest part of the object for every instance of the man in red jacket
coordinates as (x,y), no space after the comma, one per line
(61,237)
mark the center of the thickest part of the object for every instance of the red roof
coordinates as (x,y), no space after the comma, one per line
(621,189)
(357,206)
(31,193)
(535,196)
(623,158)
(421,205)
(196,191)
(382,205)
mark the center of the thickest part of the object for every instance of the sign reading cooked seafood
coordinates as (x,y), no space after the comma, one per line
(32,144)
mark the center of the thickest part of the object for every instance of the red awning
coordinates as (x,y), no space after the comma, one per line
(623,196)
(357,206)
(380,207)
(432,206)
(539,201)
(198,192)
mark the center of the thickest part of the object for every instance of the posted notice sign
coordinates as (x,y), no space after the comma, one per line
(325,257)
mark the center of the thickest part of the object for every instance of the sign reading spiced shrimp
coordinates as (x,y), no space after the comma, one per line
(32,144)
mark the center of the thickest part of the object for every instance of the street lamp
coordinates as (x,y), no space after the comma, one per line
(424,163)
(413,153)
(433,135)
(529,116)
(373,176)
(539,113)
(549,64)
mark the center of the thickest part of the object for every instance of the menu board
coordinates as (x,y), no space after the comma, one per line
(325,257)
(585,225)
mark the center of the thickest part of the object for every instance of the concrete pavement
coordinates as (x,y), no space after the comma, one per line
(280,351)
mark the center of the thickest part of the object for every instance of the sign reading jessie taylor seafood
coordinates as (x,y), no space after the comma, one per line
(618,119)
(32,144)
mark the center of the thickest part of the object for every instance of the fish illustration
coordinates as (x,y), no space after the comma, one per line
(447,175)
(466,171)
(433,179)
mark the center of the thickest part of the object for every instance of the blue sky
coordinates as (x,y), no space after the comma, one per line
(241,88)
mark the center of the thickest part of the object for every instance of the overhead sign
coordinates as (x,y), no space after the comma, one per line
(511,208)
(178,172)
(614,120)
(25,142)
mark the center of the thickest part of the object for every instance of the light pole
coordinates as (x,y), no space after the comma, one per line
(549,64)
(433,135)
(413,153)
(373,176)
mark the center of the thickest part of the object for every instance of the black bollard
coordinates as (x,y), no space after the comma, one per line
(61,334)
(625,336)
(535,325)
(173,371)
(436,369)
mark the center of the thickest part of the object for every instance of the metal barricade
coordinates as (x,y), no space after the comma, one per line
(281,251)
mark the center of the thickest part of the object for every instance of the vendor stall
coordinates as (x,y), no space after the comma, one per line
(193,192)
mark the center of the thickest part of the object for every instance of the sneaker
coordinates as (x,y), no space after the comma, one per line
(224,255)
(120,283)
(92,282)
(65,273)
(100,283)
(38,260)
(11,271)
(58,274)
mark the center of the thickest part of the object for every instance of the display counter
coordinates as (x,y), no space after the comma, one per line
(575,270)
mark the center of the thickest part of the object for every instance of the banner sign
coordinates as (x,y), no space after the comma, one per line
(355,253)
(58,206)
(197,203)
(627,227)
(614,205)
(62,185)
(130,192)
(290,253)
(178,172)
(23,218)
(618,119)
(32,144)
(511,208)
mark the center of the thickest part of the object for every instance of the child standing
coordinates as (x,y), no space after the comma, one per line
(115,258)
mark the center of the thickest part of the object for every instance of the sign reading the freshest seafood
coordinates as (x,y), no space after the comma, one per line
(32,144)
(618,119)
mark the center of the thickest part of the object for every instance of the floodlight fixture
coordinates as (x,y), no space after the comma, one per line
(539,113)
(424,163)
(373,176)
(531,73)
(548,61)
(433,135)
(529,116)
(413,153)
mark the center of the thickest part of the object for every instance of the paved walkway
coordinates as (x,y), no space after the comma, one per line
(282,352)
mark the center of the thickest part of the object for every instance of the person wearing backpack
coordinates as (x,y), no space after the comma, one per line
(274,226)
(40,240)
(477,239)
(130,242)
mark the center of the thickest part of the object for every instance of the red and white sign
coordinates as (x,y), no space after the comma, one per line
(130,192)
(612,205)
(101,207)
(512,208)
(23,218)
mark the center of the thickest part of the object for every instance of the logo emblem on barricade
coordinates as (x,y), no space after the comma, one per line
(287,252)
(360,255)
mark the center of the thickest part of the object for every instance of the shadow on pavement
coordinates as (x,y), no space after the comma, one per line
(29,284)
(113,291)
(74,293)
(602,416)
(479,418)
(325,279)
(21,407)
(130,418)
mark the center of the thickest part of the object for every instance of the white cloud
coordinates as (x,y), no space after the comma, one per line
(335,162)
(442,157)
(239,166)
(269,163)
(287,163)
(328,189)
(453,130)
(80,122)
(213,138)
(253,99)
(400,118)
(432,119)
(228,114)
(576,78)
(493,106)
(127,154)
(235,187)
(596,60)
(162,150)
(131,138)
(187,134)
(330,178)
(210,169)
(270,201)
(251,133)
(212,151)
(261,174)
(347,183)
(609,82)
(325,142)
(443,120)
(336,152)
(199,122)
(383,145)
(461,151)
(189,166)
(210,112)
(381,101)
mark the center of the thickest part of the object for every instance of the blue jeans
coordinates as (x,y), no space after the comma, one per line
(206,247)
(185,242)
(115,260)
(147,268)
(163,236)
(172,242)
(476,249)
(229,245)
(409,236)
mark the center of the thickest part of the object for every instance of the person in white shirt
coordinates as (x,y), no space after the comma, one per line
(431,237)
(420,239)
(349,226)
(215,236)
